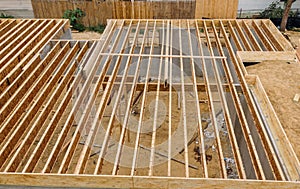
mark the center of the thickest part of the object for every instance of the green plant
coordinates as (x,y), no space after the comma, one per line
(274,10)
(75,17)
(3,15)
(295,29)
(99,28)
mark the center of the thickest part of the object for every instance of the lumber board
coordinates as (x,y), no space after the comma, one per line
(70,119)
(262,37)
(153,137)
(30,165)
(104,101)
(243,37)
(19,130)
(96,181)
(12,95)
(136,146)
(7,25)
(200,129)
(271,36)
(12,32)
(235,38)
(129,104)
(259,126)
(28,51)
(29,138)
(251,37)
(245,127)
(260,56)
(211,104)
(281,39)
(229,124)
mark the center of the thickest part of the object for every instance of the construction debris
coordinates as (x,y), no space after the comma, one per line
(296,98)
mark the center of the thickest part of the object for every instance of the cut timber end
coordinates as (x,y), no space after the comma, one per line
(296,98)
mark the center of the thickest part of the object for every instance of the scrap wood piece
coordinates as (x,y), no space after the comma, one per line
(296,98)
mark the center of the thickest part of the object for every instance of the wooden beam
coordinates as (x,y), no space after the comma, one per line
(170,83)
(199,119)
(12,139)
(103,101)
(10,51)
(13,32)
(280,38)
(129,102)
(145,90)
(22,150)
(49,131)
(262,36)
(234,36)
(105,181)
(235,149)
(251,37)
(154,128)
(271,36)
(26,100)
(241,115)
(284,148)
(7,25)
(255,56)
(242,36)
(211,104)
(14,67)
(70,119)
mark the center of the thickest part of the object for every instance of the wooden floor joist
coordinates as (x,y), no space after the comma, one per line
(81,110)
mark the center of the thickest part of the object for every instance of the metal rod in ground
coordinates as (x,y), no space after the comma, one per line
(165,156)
(137,98)
(95,153)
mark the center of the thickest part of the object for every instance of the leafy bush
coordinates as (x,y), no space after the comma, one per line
(100,28)
(75,17)
(3,15)
(274,10)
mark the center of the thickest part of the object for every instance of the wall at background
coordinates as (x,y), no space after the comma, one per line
(216,8)
(17,8)
(98,12)
(15,5)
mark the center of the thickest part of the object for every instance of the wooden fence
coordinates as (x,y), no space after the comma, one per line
(97,12)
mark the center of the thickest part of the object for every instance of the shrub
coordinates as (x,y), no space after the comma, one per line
(100,28)
(75,17)
(3,15)
(274,10)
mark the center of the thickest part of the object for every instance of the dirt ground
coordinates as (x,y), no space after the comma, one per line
(86,35)
(293,37)
(281,80)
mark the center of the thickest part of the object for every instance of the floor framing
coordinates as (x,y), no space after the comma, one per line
(153,103)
